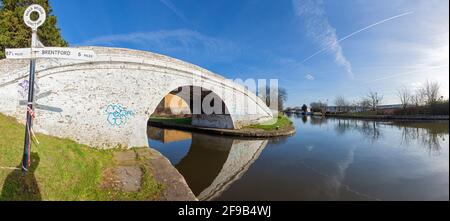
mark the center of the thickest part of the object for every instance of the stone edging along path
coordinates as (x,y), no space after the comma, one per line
(128,174)
(245,132)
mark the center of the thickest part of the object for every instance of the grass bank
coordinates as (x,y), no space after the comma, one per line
(61,170)
(282,122)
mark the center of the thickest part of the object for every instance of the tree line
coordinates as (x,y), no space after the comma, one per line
(368,102)
(423,100)
(15,34)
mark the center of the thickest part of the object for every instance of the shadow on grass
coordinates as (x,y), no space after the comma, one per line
(22,187)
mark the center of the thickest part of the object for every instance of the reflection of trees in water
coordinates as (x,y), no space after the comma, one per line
(369,129)
(430,135)
(318,120)
(304,119)
(343,126)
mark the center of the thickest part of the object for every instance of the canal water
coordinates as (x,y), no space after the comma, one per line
(327,159)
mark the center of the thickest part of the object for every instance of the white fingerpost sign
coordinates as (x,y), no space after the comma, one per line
(34,24)
(65,53)
(50,52)
(39,52)
(18,53)
(45,52)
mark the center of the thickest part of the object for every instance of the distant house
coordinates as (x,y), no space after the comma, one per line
(332,109)
(289,110)
(336,109)
(293,110)
(389,109)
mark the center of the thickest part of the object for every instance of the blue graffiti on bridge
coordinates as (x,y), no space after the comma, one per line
(118,115)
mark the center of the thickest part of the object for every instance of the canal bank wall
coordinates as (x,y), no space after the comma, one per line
(244,132)
(394,117)
(176,187)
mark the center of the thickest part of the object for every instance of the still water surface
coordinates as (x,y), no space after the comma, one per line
(327,159)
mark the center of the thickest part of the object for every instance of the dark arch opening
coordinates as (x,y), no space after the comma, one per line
(185,105)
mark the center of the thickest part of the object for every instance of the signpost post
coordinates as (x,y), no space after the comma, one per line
(33,53)
(34,25)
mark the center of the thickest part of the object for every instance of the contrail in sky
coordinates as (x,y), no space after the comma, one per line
(407,73)
(174,9)
(356,32)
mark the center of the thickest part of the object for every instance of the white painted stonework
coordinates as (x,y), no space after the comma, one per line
(107,102)
(242,155)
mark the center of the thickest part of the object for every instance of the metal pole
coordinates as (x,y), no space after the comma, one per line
(29,124)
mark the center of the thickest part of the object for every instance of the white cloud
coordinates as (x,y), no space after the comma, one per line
(321,30)
(309,77)
(179,40)
(416,85)
(417,60)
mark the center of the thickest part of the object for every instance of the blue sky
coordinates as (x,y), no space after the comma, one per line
(358,45)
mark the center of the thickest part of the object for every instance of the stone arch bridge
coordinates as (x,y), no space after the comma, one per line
(107,102)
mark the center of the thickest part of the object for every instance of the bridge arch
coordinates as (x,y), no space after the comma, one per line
(206,107)
(108,101)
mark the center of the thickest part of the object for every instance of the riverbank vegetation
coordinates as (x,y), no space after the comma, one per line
(280,126)
(424,101)
(440,107)
(281,123)
(61,169)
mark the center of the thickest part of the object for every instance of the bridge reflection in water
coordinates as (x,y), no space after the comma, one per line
(210,164)
(327,159)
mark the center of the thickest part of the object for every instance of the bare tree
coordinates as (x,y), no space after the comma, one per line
(432,91)
(375,99)
(282,96)
(418,98)
(405,96)
(318,107)
(354,105)
(340,103)
(365,104)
